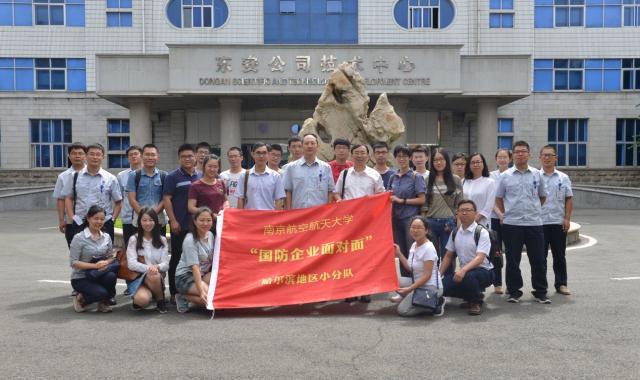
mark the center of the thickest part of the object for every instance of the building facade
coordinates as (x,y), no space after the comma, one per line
(466,75)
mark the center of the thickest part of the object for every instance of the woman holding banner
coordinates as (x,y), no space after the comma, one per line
(194,269)
(422,265)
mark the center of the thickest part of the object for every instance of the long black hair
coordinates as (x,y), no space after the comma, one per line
(156,233)
(95,209)
(467,166)
(447,174)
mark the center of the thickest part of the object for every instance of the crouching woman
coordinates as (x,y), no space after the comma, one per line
(147,254)
(421,264)
(94,267)
(194,269)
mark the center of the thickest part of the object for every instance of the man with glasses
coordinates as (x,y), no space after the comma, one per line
(471,244)
(176,194)
(520,196)
(264,187)
(556,216)
(381,156)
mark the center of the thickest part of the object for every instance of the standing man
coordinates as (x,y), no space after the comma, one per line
(230,177)
(308,182)
(381,156)
(134,155)
(520,196)
(176,192)
(472,245)
(93,186)
(144,186)
(294,145)
(77,153)
(203,149)
(341,151)
(264,187)
(358,181)
(420,158)
(275,156)
(556,216)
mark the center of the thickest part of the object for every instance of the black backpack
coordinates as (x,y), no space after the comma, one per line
(495,256)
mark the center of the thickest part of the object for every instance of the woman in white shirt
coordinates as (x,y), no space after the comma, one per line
(422,264)
(503,159)
(479,188)
(147,254)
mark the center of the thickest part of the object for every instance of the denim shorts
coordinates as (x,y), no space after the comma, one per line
(184,282)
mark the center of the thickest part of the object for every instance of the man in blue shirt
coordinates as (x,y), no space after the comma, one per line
(556,215)
(520,196)
(176,193)
(134,155)
(265,190)
(146,191)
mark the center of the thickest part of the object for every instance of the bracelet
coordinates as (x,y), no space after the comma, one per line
(405,201)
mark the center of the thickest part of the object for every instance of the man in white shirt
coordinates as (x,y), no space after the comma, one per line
(265,189)
(358,181)
(77,153)
(420,159)
(475,271)
(230,177)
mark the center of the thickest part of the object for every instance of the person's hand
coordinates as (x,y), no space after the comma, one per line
(397,250)
(102,265)
(403,291)
(203,296)
(153,269)
(566,224)
(175,226)
(62,226)
(395,199)
(459,275)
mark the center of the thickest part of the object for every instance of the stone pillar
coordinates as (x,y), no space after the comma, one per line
(487,127)
(230,133)
(140,121)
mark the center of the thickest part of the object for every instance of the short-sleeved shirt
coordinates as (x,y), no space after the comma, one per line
(177,185)
(309,185)
(482,191)
(417,256)
(337,168)
(264,189)
(406,186)
(61,181)
(196,252)
(444,205)
(101,189)
(465,245)
(521,192)
(84,249)
(126,214)
(231,184)
(495,176)
(558,187)
(359,184)
(149,191)
(386,177)
(212,196)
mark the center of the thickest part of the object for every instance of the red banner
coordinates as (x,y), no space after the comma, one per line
(329,252)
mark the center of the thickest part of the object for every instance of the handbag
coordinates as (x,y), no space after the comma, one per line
(124,272)
(426,298)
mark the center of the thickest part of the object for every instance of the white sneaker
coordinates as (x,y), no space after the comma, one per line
(440,309)
(396,299)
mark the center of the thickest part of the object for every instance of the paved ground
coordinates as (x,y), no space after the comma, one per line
(591,334)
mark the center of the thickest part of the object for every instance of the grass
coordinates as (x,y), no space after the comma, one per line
(118,224)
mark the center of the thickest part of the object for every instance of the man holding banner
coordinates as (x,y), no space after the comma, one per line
(308,181)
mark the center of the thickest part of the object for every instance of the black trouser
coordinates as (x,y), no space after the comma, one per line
(555,237)
(176,253)
(497,272)
(73,229)
(69,233)
(128,230)
(533,237)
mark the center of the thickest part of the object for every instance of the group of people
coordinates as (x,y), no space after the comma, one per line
(443,214)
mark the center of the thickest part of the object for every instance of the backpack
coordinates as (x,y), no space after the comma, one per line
(495,256)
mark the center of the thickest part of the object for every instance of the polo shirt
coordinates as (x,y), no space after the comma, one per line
(309,185)
(177,184)
(521,192)
(408,186)
(360,184)
(465,245)
(558,187)
(126,214)
(101,189)
(337,168)
(264,189)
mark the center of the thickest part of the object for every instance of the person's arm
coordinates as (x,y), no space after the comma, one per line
(485,209)
(331,185)
(401,258)
(191,206)
(500,206)
(287,202)
(446,261)
(68,203)
(240,203)
(60,206)
(476,262)
(417,201)
(337,195)
(117,206)
(168,205)
(542,190)
(132,257)
(164,262)
(418,282)
(197,278)
(133,201)
(568,210)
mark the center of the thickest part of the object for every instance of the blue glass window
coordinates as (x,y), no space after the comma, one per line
(50,74)
(50,139)
(505,133)
(570,137)
(631,13)
(119,14)
(559,13)
(118,140)
(424,14)
(627,137)
(49,12)
(116,126)
(197,13)
(16,13)
(334,7)
(287,7)
(631,74)
(568,74)
(501,15)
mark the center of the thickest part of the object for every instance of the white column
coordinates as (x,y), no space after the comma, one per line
(230,112)
(140,121)
(487,127)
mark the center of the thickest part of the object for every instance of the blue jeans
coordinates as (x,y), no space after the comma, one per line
(497,272)
(515,237)
(100,289)
(438,228)
(472,286)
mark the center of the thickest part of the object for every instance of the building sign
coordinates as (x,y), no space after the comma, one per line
(304,69)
